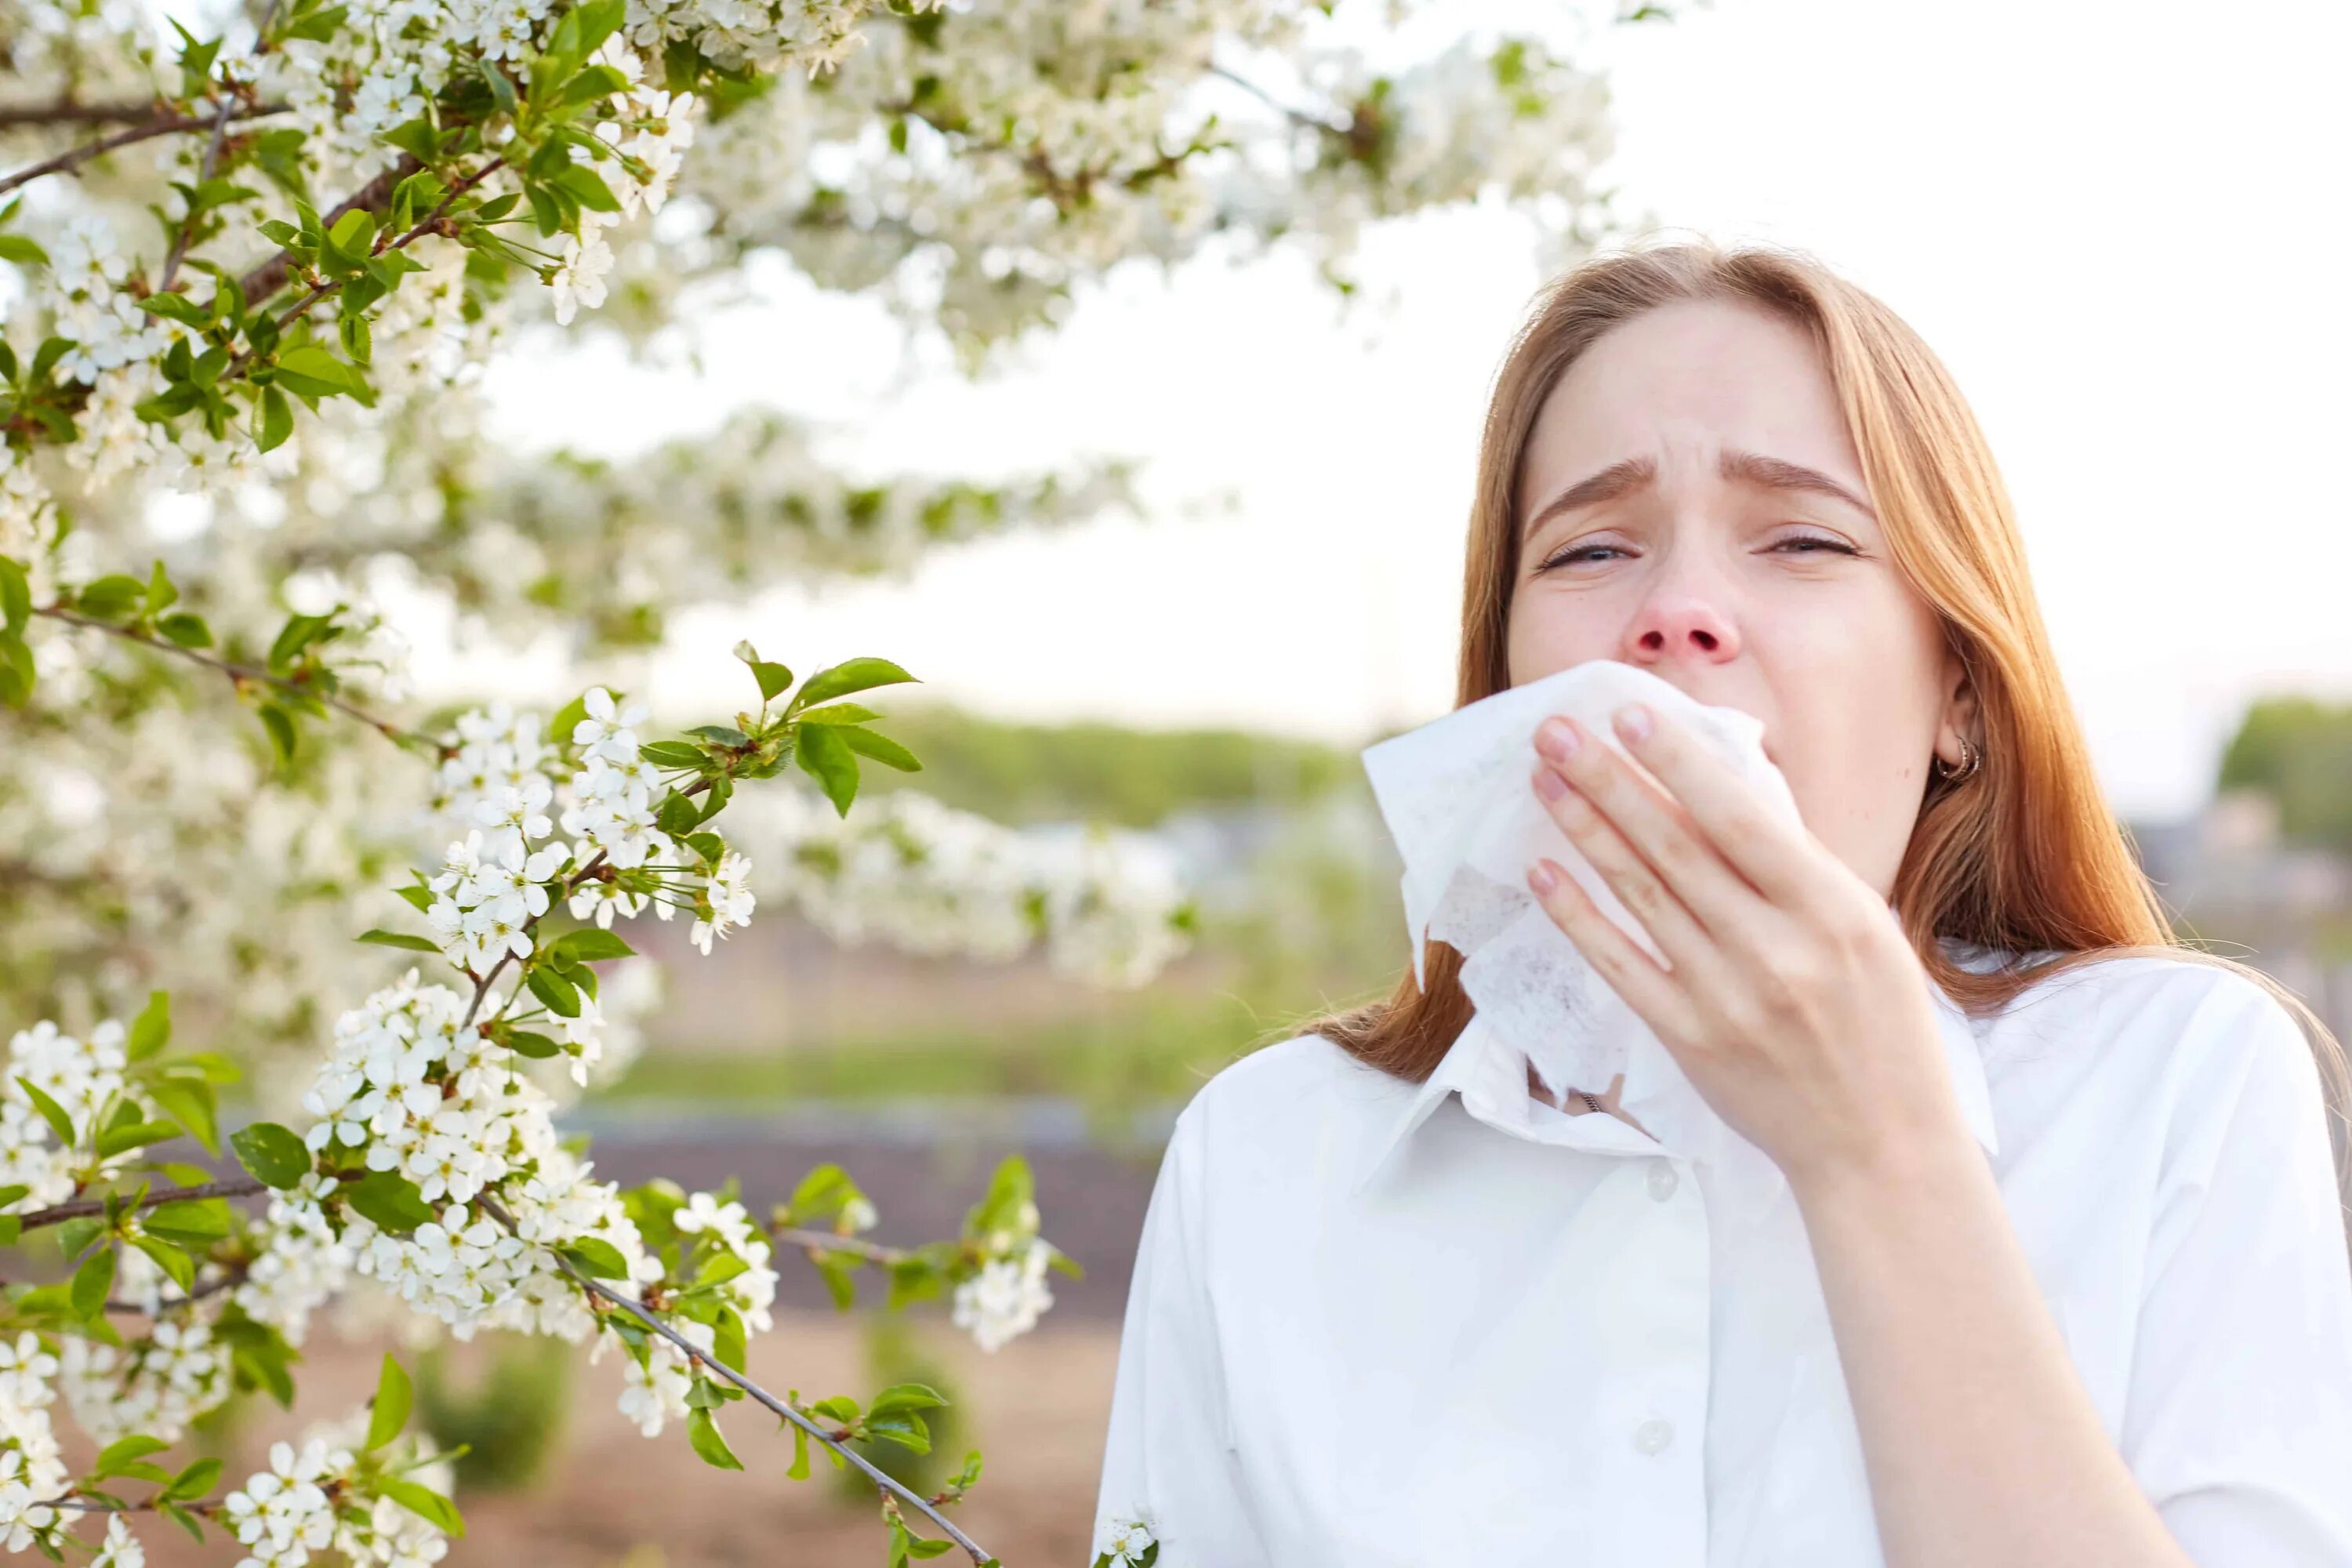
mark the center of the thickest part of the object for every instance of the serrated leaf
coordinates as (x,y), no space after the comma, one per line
(597,1259)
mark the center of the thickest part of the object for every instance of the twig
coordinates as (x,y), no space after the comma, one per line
(696,1358)
(319,292)
(187,227)
(1297,116)
(872,1251)
(147,130)
(228,1282)
(268,277)
(240,674)
(81,1208)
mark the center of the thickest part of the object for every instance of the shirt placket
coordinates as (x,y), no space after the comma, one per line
(1649,1354)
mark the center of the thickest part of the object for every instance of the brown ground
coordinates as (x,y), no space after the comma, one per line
(1038,1409)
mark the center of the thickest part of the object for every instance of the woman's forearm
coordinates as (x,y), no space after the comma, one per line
(1982,1446)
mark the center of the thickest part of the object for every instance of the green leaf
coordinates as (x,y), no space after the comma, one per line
(425,1504)
(51,1111)
(400,939)
(171,1259)
(904,1396)
(389,1411)
(389,1199)
(161,594)
(313,371)
(23,252)
(15,595)
(825,757)
(185,630)
(276,419)
(111,598)
(773,677)
(841,680)
(189,1219)
(597,1259)
(538,1048)
(151,1030)
(881,748)
(136,1134)
(672,754)
(591,944)
(189,1102)
(550,986)
(704,1434)
(800,1466)
(839,713)
(91,1281)
(112,1458)
(273,1154)
(195,1480)
(281,726)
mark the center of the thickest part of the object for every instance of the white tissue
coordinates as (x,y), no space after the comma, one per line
(1458,798)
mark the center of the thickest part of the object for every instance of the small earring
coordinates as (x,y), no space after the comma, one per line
(1970,758)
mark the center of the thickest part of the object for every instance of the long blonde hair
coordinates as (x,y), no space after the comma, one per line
(2025,856)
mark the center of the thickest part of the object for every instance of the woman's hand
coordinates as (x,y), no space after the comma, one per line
(1795,1005)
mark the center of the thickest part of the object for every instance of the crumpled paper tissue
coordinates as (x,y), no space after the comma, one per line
(1458,798)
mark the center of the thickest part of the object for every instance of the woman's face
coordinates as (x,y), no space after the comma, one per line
(1691,504)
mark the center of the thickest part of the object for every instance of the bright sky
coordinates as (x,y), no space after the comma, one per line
(2121,224)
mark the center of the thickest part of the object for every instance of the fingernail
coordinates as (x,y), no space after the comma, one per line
(1544,878)
(1633,722)
(1556,738)
(1549,785)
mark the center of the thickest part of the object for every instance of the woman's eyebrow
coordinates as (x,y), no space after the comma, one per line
(1628,475)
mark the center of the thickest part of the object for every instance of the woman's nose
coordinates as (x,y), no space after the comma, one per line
(1683,628)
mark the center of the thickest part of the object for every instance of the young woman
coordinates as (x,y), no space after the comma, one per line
(2075,1292)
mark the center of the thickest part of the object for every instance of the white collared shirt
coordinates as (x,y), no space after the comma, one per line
(1378,1323)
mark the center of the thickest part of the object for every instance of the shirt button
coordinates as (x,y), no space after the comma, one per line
(1653,1436)
(1662,1180)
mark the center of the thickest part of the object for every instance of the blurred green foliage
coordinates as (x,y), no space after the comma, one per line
(895,1354)
(1020,774)
(510,1415)
(2298,751)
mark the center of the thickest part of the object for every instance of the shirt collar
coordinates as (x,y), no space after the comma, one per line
(1491,1077)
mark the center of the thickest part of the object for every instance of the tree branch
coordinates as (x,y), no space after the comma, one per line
(82,1208)
(271,276)
(144,131)
(240,674)
(872,1251)
(696,1358)
(187,229)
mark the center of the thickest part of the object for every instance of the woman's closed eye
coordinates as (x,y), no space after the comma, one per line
(1805,543)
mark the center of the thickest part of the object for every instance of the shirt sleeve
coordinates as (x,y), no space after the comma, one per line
(1169,1461)
(2238,1421)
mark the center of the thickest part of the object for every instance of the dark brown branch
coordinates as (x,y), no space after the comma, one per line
(271,276)
(144,131)
(84,1208)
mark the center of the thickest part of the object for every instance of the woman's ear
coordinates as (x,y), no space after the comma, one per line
(1959,708)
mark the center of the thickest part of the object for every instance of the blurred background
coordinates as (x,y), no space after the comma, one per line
(2069,202)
